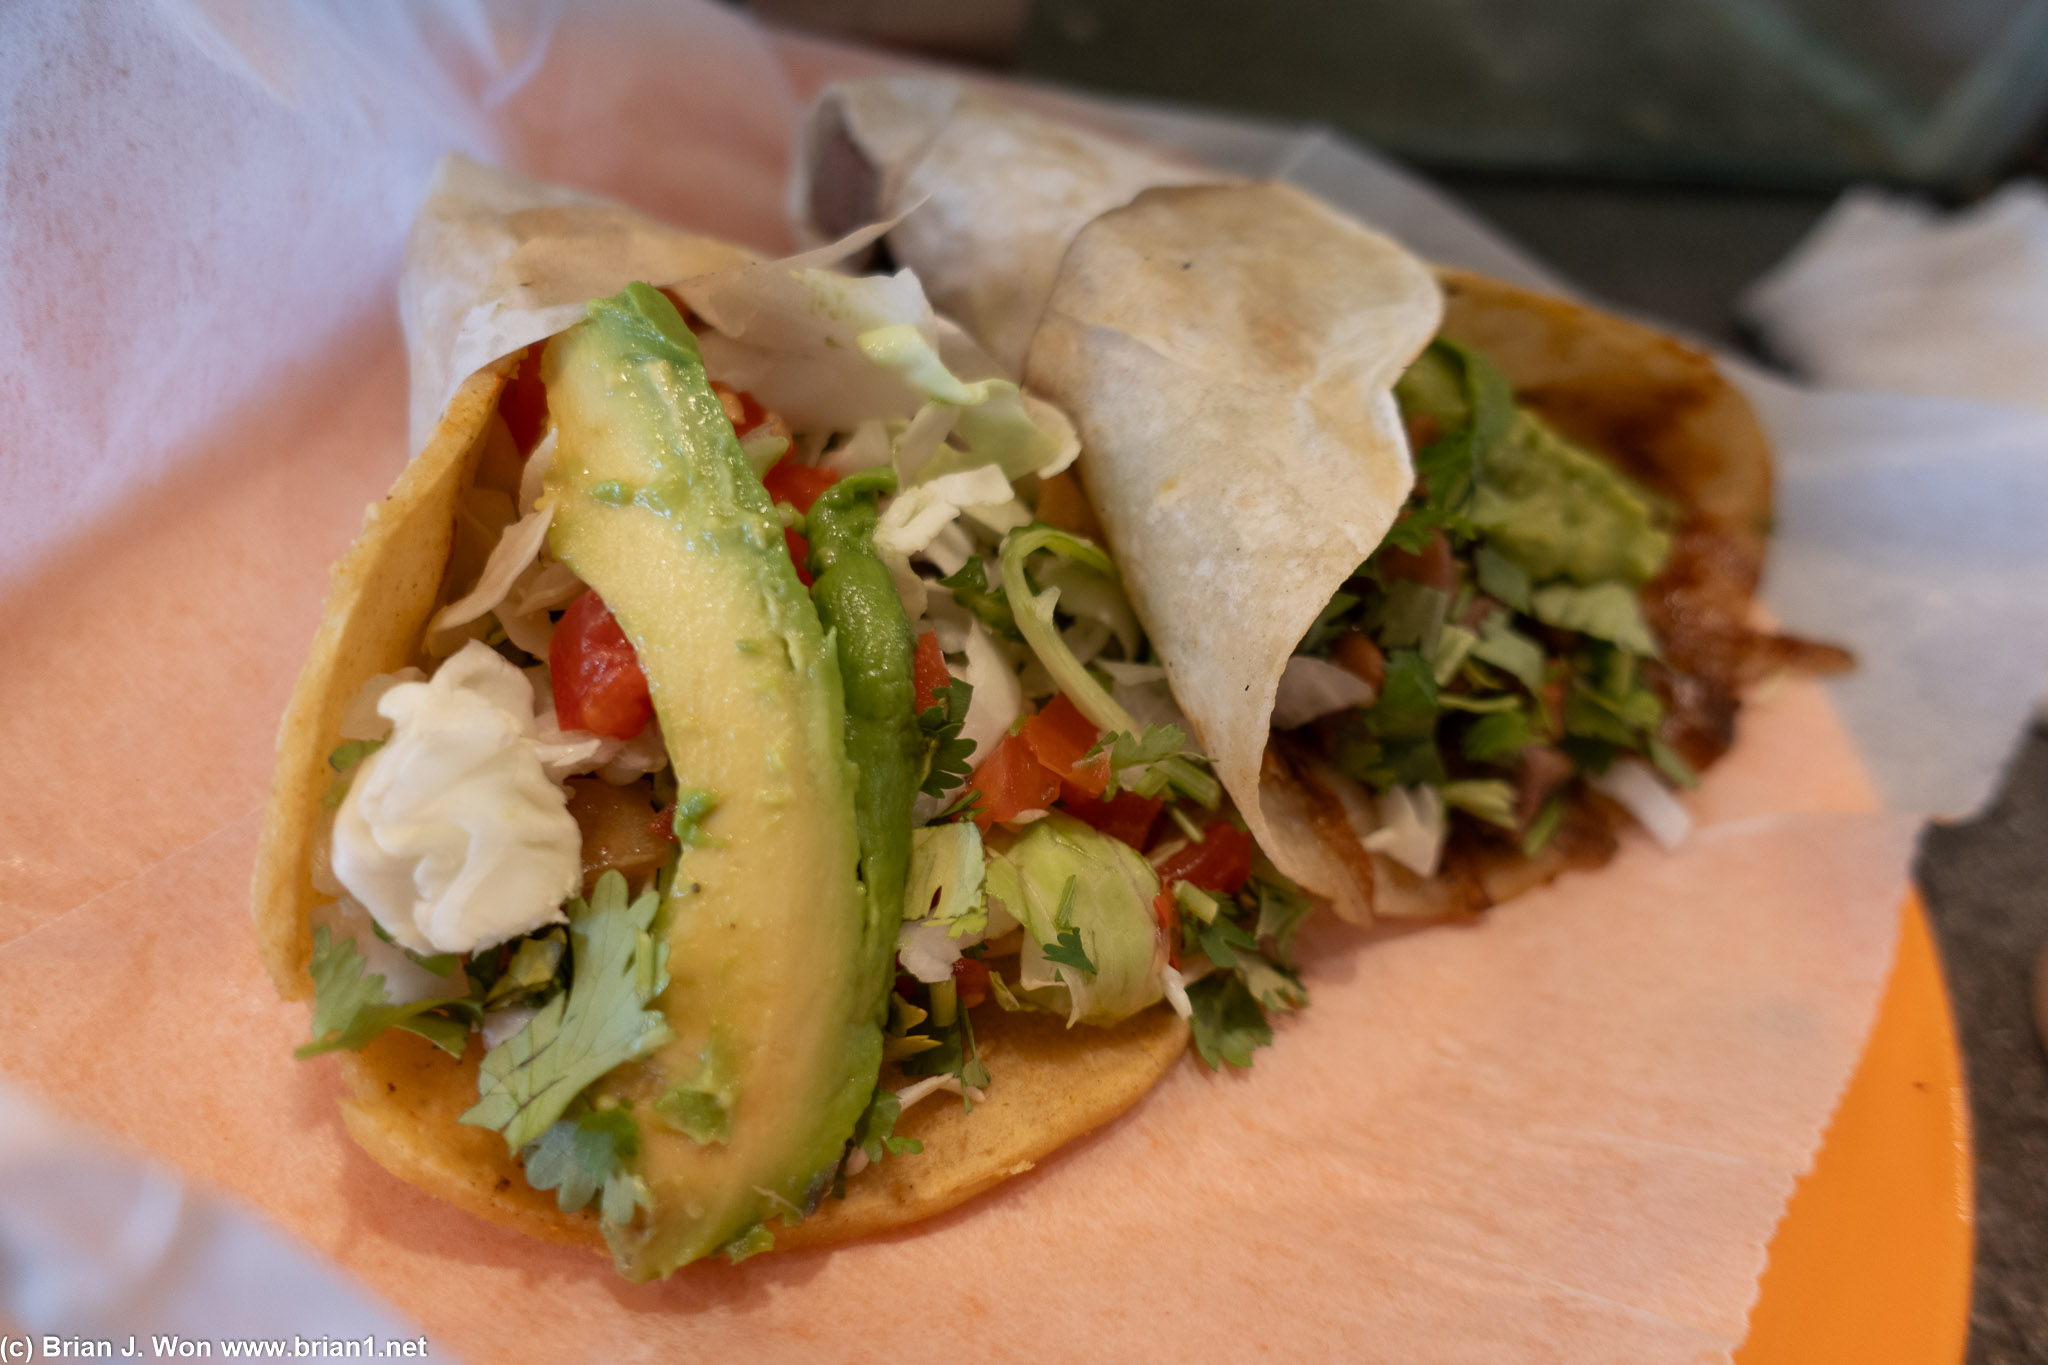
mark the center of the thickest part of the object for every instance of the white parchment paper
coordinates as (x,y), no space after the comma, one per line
(203,213)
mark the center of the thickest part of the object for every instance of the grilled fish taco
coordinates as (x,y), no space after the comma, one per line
(1433,668)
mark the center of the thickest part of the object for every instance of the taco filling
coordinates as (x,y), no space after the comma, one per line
(1524,663)
(781,719)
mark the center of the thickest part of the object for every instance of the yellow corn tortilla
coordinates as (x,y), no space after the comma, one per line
(1051,1085)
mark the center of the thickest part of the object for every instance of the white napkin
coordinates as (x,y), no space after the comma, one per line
(1890,295)
(98,1245)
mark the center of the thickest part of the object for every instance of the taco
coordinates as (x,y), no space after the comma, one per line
(1517,628)
(730,801)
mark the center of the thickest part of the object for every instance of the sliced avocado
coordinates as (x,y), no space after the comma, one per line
(778,972)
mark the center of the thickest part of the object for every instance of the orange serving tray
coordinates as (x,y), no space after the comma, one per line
(1872,1262)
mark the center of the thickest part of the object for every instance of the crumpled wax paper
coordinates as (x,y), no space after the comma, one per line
(1563,1132)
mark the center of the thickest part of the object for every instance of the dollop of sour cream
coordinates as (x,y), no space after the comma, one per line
(455,835)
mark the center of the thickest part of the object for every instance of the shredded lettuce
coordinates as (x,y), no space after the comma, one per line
(1085,901)
(1179,771)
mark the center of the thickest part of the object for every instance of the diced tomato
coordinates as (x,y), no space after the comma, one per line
(1126,816)
(928,671)
(970,979)
(1434,567)
(1011,781)
(597,679)
(1060,735)
(742,409)
(1167,909)
(797,484)
(799,554)
(524,403)
(1221,862)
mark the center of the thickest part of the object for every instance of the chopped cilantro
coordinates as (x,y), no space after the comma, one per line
(1195,902)
(1489,798)
(1543,828)
(875,1134)
(1501,578)
(350,1008)
(941,724)
(1283,907)
(1155,761)
(1674,767)
(600,1022)
(1221,940)
(592,1153)
(1227,1021)
(990,606)
(1407,706)
(1514,653)
(1498,738)
(1330,623)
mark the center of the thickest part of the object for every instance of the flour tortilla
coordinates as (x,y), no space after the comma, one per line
(1227,350)
(1051,1084)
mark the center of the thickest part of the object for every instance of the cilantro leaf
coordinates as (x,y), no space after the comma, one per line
(1227,1020)
(1606,611)
(350,1007)
(954,1054)
(1407,705)
(949,752)
(1514,653)
(1272,985)
(1488,798)
(1331,622)
(1543,828)
(1670,763)
(990,606)
(579,1158)
(1068,952)
(602,1021)
(1499,738)
(1283,907)
(1221,940)
(1501,578)
(1160,759)
(875,1134)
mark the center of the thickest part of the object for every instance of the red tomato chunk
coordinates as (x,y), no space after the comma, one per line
(1060,735)
(596,676)
(1126,816)
(1012,781)
(928,671)
(1221,862)
(970,978)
